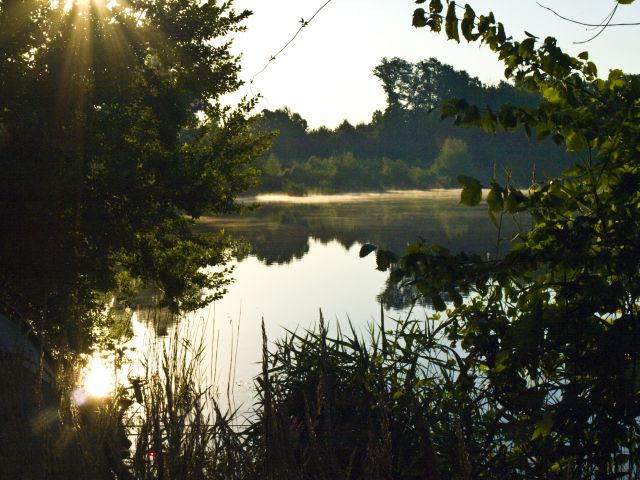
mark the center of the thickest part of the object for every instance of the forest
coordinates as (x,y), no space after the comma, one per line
(409,145)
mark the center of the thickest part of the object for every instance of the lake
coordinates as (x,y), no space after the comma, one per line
(304,258)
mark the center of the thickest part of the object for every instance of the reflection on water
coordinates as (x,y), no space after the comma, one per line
(304,258)
(279,231)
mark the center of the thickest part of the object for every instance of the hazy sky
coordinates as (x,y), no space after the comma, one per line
(326,73)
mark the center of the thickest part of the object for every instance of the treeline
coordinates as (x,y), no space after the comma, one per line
(408,145)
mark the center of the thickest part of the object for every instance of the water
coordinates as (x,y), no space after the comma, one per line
(304,258)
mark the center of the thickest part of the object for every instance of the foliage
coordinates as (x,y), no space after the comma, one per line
(554,321)
(111,142)
(403,146)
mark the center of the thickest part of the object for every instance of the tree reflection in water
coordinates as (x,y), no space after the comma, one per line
(279,231)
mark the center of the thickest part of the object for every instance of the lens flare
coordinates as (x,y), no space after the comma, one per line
(99,378)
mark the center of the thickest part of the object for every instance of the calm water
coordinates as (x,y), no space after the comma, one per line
(304,258)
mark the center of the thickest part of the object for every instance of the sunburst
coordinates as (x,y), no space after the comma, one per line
(98,377)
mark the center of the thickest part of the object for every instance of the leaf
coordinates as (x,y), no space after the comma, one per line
(451,23)
(396,275)
(501,361)
(575,142)
(575,171)
(513,200)
(467,24)
(552,95)
(543,426)
(494,220)
(366,249)
(419,18)
(494,200)
(471,191)
(526,48)
(616,78)
(435,6)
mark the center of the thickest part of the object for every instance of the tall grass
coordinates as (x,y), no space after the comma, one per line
(397,402)
(179,428)
(393,405)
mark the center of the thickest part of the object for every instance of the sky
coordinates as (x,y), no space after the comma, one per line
(326,76)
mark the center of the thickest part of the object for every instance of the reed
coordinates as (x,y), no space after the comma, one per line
(179,427)
(394,404)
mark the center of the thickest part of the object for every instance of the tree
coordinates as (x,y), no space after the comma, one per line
(554,322)
(422,86)
(291,130)
(112,141)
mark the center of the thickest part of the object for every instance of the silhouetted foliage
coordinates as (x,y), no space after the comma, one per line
(111,143)
(553,324)
(408,145)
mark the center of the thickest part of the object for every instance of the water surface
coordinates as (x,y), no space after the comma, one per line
(304,258)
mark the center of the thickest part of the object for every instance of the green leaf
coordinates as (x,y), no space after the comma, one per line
(419,18)
(494,220)
(501,361)
(494,200)
(575,171)
(552,95)
(513,200)
(543,426)
(526,48)
(575,141)
(467,24)
(435,6)
(616,78)
(451,23)
(471,191)
(366,249)
(465,180)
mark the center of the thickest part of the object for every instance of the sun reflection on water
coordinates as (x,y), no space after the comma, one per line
(99,378)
